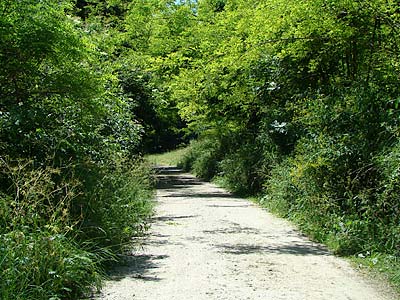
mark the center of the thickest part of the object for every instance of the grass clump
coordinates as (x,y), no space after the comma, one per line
(382,265)
(45,265)
(119,206)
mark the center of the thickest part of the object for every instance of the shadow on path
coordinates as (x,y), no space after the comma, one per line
(174,178)
(143,266)
(199,195)
(137,266)
(172,218)
(293,249)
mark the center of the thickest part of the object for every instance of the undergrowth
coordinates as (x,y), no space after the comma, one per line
(57,231)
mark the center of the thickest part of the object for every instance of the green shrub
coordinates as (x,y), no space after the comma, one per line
(248,160)
(388,199)
(202,157)
(240,160)
(280,190)
(238,168)
(329,192)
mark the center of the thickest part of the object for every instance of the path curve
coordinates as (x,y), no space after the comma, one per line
(207,244)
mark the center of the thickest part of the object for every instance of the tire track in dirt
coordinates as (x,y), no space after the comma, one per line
(207,244)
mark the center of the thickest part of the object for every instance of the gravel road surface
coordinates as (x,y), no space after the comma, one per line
(207,244)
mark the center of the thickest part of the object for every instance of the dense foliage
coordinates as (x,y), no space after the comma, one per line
(299,101)
(73,190)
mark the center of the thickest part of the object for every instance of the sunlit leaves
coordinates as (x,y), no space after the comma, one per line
(57,94)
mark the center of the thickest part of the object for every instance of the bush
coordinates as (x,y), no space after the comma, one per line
(239,159)
(280,190)
(202,157)
(325,191)
(388,203)
(338,197)
(239,167)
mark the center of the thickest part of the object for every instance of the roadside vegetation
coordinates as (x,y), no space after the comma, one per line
(73,186)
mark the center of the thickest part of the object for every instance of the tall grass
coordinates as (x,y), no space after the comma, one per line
(45,265)
(119,204)
(57,231)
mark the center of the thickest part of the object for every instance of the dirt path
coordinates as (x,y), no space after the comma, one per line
(207,244)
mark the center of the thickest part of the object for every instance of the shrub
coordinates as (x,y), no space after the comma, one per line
(387,209)
(337,196)
(202,157)
(280,190)
(239,168)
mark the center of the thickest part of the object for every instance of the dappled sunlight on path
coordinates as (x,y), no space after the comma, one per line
(208,244)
